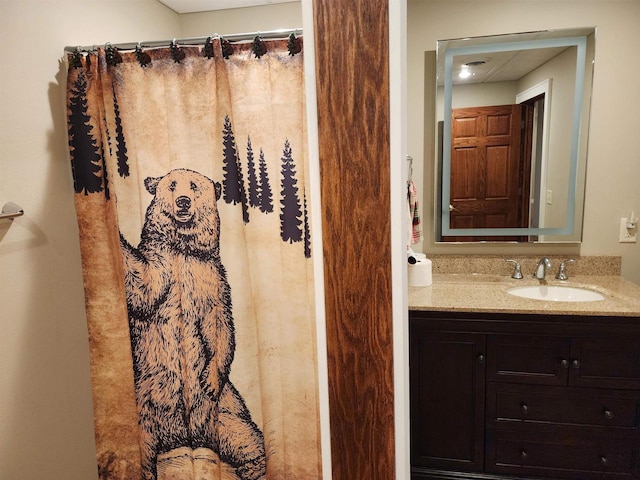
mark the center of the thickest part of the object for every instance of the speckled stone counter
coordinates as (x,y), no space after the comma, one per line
(474,292)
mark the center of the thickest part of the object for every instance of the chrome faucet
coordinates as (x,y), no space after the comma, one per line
(541,270)
(517,270)
(562,271)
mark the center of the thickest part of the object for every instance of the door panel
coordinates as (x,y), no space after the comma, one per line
(486,170)
(605,364)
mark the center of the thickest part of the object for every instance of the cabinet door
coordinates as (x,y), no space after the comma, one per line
(447,400)
(605,363)
(531,359)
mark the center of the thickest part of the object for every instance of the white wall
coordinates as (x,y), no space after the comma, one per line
(46,425)
(613,170)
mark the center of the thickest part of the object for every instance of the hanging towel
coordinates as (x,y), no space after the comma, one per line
(415,225)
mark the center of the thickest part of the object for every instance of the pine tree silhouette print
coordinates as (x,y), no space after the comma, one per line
(243,194)
(230,164)
(290,212)
(264,193)
(307,230)
(121,144)
(234,191)
(252,180)
(105,176)
(85,154)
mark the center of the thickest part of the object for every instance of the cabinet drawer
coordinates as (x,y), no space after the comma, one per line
(583,457)
(561,405)
(530,359)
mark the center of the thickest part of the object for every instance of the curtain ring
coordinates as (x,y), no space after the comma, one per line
(143,58)
(176,52)
(259,47)
(112,55)
(227,48)
(294,45)
(207,51)
(76,58)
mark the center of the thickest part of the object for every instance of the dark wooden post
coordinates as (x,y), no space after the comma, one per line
(352,67)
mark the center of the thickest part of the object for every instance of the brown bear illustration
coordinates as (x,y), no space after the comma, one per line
(182,330)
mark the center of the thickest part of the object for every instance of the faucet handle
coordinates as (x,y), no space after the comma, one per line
(562,270)
(517,271)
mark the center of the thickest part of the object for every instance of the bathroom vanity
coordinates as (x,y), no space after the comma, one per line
(505,387)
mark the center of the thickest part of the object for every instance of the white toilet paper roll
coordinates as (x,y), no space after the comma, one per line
(420,273)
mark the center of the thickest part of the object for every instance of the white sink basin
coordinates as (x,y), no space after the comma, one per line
(556,293)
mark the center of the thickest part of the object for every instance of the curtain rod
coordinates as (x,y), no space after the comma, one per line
(233,37)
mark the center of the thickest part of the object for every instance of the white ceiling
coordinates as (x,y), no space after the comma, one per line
(503,66)
(191,6)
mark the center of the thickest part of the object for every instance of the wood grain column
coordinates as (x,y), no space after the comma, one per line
(352,64)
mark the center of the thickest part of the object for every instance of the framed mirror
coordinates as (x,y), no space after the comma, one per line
(512,115)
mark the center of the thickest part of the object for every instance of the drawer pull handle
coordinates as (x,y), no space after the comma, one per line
(523,454)
(575,364)
(564,363)
(603,460)
(480,358)
(608,414)
(525,408)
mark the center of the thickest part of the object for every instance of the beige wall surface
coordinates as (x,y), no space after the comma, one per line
(46,425)
(242,20)
(613,164)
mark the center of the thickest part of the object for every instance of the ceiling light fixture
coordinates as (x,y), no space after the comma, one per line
(465,72)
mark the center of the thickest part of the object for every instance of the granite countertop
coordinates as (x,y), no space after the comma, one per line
(487,293)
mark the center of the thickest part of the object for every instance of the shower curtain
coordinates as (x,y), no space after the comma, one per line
(191,181)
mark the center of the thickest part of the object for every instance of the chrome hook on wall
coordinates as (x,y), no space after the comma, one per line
(10,210)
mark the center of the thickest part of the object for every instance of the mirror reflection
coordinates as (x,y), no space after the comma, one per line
(512,111)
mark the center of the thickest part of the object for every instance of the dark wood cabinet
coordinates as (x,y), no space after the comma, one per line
(447,401)
(498,396)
